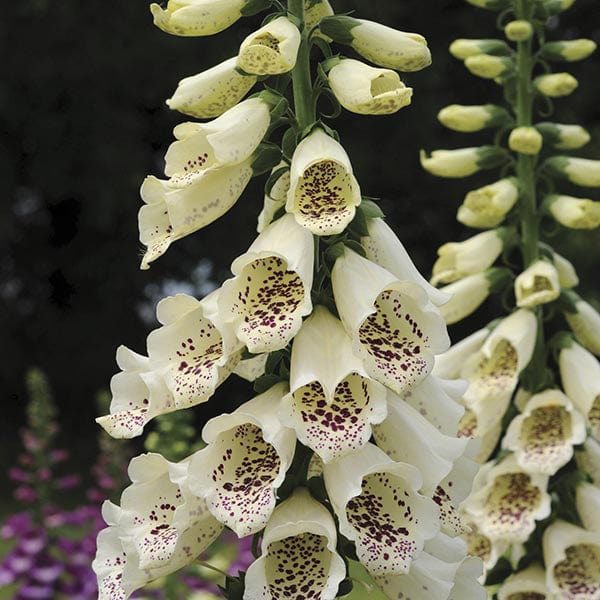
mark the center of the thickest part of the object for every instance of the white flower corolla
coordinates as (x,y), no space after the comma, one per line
(538,284)
(270,293)
(587,501)
(487,206)
(407,436)
(476,254)
(467,581)
(527,584)
(576,213)
(482,547)
(464,48)
(543,435)
(585,324)
(471,118)
(506,502)
(379,508)
(323,193)
(395,330)
(567,275)
(486,440)
(271,50)
(572,557)
(379,44)
(197,17)
(580,375)
(450,363)
(469,293)
(568,50)
(299,558)
(208,167)
(245,461)
(138,395)
(251,369)
(366,90)
(493,372)
(276,198)
(588,459)
(332,401)
(563,137)
(159,528)
(488,66)
(580,171)
(461,162)
(383,247)
(315,10)
(556,85)
(525,140)
(212,92)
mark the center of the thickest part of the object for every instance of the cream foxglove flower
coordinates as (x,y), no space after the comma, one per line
(300,536)
(407,436)
(543,436)
(251,369)
(138,395)
(365,90)
(493,373)
(568,50)
(245,461)
(567,275)
(332,402)
(525,140)
(383,247)
(315,10)
(159,528)
(271,50)
(580,374)
(588,459)
(208,167)
(486,439)
(563,137)
(490,4)
(576,213)
(469,293)
(587,500)
(379,44)
(276,198)
(450,363)
(556,85)
(464,48)
(487,206)
(580,171)
(488,66)
(472,118)
(506,502)
(379,508)
(395,330)
(323,193)
(482,547)
(461,162)
(476,254)
(212,92)
(572,557)
(197,17)
(518,31)
(585,324)
(538,284)
(270,293)
(529,583)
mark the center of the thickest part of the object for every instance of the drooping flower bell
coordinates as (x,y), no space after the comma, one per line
(461,162)
(580,171)
(538,284)
(489,205)
(584,322)
(556,85)
(563,137)
(576,213)
(472,118)
(464,48)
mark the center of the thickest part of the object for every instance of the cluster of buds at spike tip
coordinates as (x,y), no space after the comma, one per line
(348,457)
(532,399)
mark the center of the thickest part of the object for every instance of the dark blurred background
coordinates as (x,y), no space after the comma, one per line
(83,120)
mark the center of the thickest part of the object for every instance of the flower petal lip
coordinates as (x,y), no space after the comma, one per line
(530,582)
(323,193)
(538,284)
(576,213)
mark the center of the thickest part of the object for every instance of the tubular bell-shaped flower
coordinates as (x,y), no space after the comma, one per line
(588,459)
(271,50)
(246,458)
(464,48)
(527,584)
(315,11)
(333,402)
(487,206)
(461,162)
(538,284)
(379,508)
(212,92)
(379,44)
(580,171)
(479,545)
(587,501)
(572,557)
(472,118)
(395,331)
(576,213)
(580,374)
(450,363)
(299,558)
(543,436)
(556,85)
(563,137)
(488,66)
(506,502)
(159,528)
(585,324)
(365,90)
(270,293)
(323,193)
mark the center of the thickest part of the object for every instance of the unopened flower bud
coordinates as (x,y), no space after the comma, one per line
(463,161)
(554,7)
(580,171)
(525,140)
(538,284)
(568,50)
(315,11)
(489,67)
(487,206)
(490,4)
(576,213)
(563,137)
(584,322)
(472,118)
(518,31)
(464,48)
(556,85)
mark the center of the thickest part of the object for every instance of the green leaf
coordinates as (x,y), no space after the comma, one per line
(289,143)
(371,210)
(356,247)
(359,225)
(253,7)
(266,157)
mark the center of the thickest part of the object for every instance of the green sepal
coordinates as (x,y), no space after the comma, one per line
(371,210)
(253,7)
(490,157)
(289,143)
(498,115)
(492,4)
(561,340)
(335,251)
(550,132)
(567,301)
(555,166)
(266,382)
(356,247)
(499,574)
(322,45)
(339,28)
(329,63)
(266,157)
(274,178)
(498,278)
(358,225)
